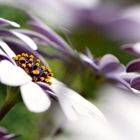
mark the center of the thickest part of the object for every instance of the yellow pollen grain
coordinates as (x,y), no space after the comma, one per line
(27,61)
(46,80)
(35,79)
(49,70)
(42,78)
(51,74)
(36,72)
(31,56)
(43,67)
(38,60)
(21,58)
(31,59)
(26,70)
(26,55)
(48,77)
(23,65)
(15,58)
(18,55)
(29,65)
(37,64)
(23,54)
(46,73)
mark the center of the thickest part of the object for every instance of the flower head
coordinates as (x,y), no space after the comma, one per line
(33,67)
(31,74)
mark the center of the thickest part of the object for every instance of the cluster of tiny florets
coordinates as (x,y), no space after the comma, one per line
(33,67)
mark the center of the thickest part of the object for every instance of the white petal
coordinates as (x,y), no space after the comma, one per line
(14,24)
(34,97)
(136,47)
(26,39)
(7,49)
(2,52)
(85,58)
(73,104)
(12,75)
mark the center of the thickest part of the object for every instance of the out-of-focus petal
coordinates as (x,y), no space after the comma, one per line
(45,30)
(86,60)
(109,64)
(133,66)
(38,38)
(73,104)
(132,48)
(7,50)
(48,32)
(128,76)
(26,39)
(4,22)
(123,80)
(34,97)
(89,53)
(135,83)
(12,75)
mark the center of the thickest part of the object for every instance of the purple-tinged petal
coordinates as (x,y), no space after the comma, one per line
(4,33)
(12,33)
(123,29)
(44,86)
(110,64)
(42,40)
(135,83)
(45,30)
(19,48)
(38,38)
(128,76)
(133,66)
(132,48)
(122,83)
(49,55)
(47,89)
(48,32)
(87,61)
(4,22)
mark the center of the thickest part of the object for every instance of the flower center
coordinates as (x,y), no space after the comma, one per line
(34,68)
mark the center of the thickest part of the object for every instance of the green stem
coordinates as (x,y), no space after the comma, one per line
(13,97)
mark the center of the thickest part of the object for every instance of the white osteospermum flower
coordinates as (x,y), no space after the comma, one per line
(35,92)
(33,96)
